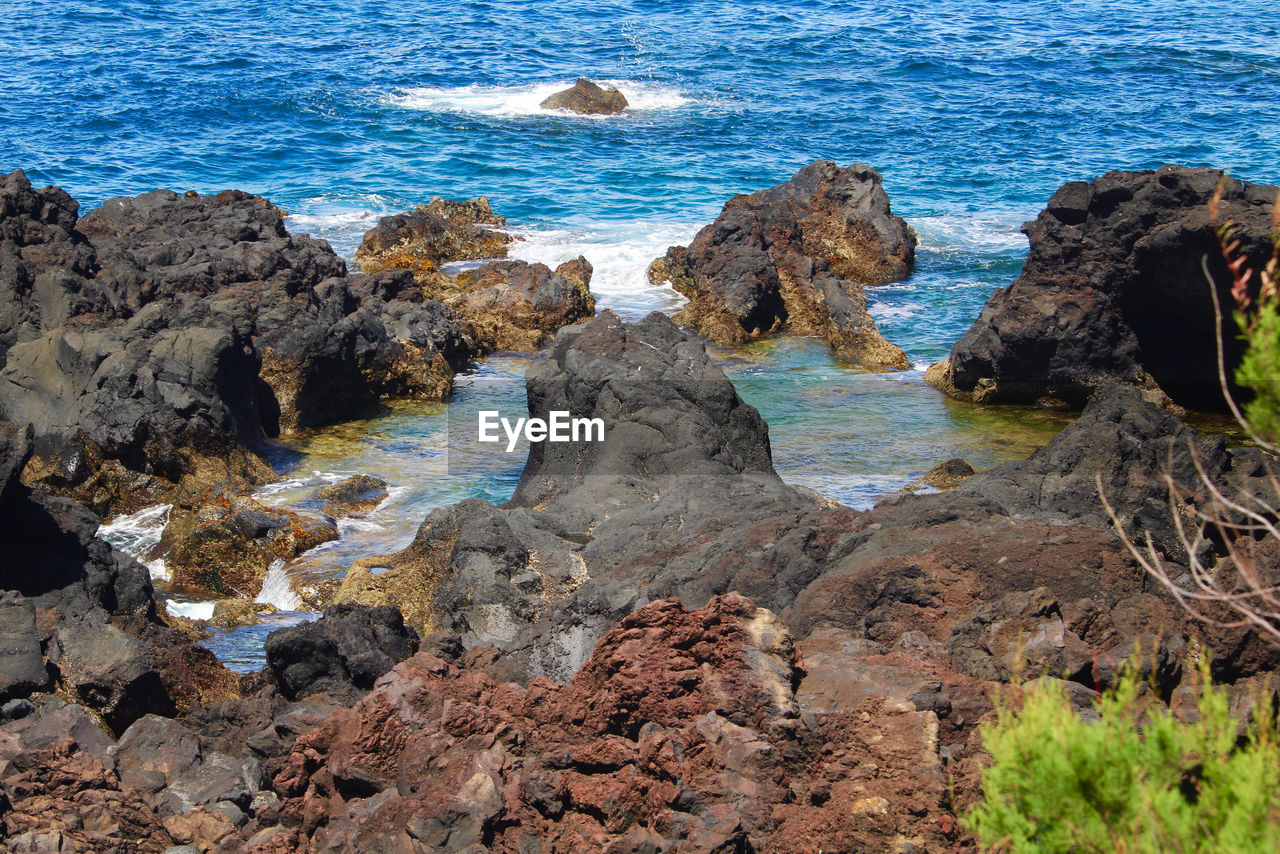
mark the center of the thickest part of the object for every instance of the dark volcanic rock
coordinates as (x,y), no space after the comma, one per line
(1113,292)
(796,257)
(350,646)
(588,98)
(433,234)
(679,498)
(682,730)
(159,339)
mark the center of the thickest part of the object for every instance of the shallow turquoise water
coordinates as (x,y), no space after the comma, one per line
(973,112)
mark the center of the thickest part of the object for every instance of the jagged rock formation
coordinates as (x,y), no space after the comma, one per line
(1113,292)
(157,340)
(796,257)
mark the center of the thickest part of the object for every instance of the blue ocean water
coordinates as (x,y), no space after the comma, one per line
(973,112)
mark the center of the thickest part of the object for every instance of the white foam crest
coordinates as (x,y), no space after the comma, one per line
(277,591)
(620,254)
(526,100)
(986,232)
(136,533)
(191,610)
(158,569)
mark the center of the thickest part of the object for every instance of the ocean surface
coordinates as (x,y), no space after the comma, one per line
(339,113)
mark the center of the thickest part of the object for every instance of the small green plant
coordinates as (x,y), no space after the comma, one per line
(1060,784)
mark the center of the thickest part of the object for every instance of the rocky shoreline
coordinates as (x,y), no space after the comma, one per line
(656,644)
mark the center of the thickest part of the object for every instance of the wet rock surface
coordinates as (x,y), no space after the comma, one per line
(353,496)
(158,340)
(796,257)
(588,98)
(504,305)
(1113,292)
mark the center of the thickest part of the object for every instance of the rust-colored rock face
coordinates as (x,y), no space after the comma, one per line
(796,257)
(682,732)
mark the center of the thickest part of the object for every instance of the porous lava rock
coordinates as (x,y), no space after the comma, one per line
(796,257)
(159,339)
(681,731)
(588,98)
(1113,291)
(357,495)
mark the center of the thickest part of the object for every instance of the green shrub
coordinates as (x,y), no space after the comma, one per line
(1057,783)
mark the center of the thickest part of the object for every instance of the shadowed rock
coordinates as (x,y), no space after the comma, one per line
(796,258)
(1113,291)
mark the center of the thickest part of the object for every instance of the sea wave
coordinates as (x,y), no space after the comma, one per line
(982,232)
(526,99)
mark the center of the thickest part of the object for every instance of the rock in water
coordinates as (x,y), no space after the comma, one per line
(796,257)
(1113,292)
(506,305)
(587,98)
(353,496)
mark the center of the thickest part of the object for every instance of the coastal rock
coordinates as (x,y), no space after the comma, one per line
(513,305)
(504,305)
(587,98)
(159,339)
(350,646)
(948,475)
(682,729)
(353,496)
(1112,291)
(228,543)
(436,233)
(796,257)
(679,498)
(108,670)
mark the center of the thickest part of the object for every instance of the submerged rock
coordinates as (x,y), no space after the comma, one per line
(353,496)
(159,339)
(1113,291)
(587,98)
(796,257)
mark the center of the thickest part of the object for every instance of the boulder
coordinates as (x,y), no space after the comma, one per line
(436,233)
(948,475)
(796,257)
(358,495)
(1113,291)
(158,340)
(22,669)
(108,670)
(587,98)
(349,647)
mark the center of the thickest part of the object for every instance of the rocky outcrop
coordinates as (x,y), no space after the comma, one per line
(682,726)
(587,98)
(505,305)
(1113,291)
(159,339)
(350,646)
(797,258)
(680,498)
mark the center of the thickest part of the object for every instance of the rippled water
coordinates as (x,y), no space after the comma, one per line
(973,112)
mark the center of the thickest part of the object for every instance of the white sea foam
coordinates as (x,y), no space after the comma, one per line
(158,569)
(136,533)
(200,610)
(996,231)
(277,591)
(525,100)
(619,252)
